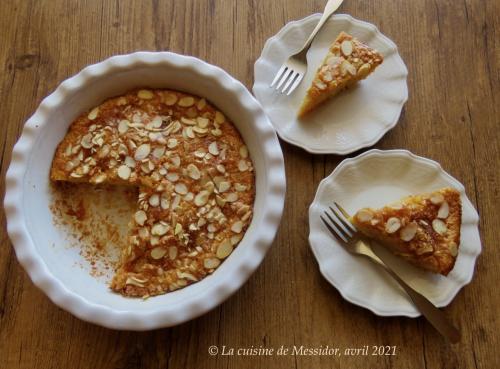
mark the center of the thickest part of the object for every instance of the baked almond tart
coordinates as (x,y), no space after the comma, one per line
(347,62)
(194,175)
(422,229)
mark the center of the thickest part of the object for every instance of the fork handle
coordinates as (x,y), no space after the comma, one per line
(330,8)
(435,316)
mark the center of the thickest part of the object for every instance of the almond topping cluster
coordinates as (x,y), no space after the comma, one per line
(195,179)
(408,230)
(348,58)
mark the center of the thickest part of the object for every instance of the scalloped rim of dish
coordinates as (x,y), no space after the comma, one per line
(290,26)
(143,320)
(401,153)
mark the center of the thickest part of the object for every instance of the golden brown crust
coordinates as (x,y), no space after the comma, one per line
(347,62)
(195,179)
(423,229)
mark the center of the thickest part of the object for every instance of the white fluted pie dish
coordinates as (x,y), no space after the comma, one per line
(374,179)
(37,241)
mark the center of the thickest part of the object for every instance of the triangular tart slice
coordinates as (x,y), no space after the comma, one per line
(423,229)
(348,61)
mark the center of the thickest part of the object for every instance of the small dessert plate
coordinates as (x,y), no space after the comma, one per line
(357,117)
(373,179)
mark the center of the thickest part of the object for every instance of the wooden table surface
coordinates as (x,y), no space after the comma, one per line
(452,52)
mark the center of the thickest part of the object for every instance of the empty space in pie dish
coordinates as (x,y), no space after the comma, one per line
(374,179)
(355,118)
(40,245)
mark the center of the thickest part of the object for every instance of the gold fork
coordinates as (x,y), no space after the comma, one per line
(349,237)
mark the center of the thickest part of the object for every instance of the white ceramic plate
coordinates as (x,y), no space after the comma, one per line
(39,245)
(354,119)
(373,179)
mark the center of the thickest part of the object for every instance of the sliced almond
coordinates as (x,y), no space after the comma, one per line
(200,153)
(437,198)
(143,233)
(237,226)
(211,263)
(216,132)
(364,215)
(171,143)
(333,60)
(347,67)
(104,152)
(364,69)
(346,47)
(124,172)
(135,281)
(172,252)
(145,94)
(130,162)
(408,232)
(142,152)
(243,166)
(98,178)
(158,152)
(213,149)
(392,225)
(154,200)
(193,172)
(231,197)
(186,101)
(170,99)
(201,198)
(172,176)
(223,186)
(202,122)
(159,229)
(219,117)
(240,187)
(181,188)
(220,201)
(93,113)
(123,126)
(176,161)
(86,141)
(444,211)
(244,152)
(201,104)
(140,217)
(439,226)
(235,239)
(158,253)
(224,249)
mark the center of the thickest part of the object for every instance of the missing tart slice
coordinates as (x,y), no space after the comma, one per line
(348,61)
(422,229)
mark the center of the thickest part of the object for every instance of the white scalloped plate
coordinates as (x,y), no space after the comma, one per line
(354,119)
(29,221)
(373,179)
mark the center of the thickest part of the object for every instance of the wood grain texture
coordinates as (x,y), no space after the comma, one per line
(452,51)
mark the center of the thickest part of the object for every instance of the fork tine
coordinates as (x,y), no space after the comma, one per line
(344,213)
(345,222)
(278,75)
(332,230)
(286,75)
(338,227)
(290,80)
(296,83)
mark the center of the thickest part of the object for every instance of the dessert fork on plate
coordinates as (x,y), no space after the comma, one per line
(294,68)
(339,225)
